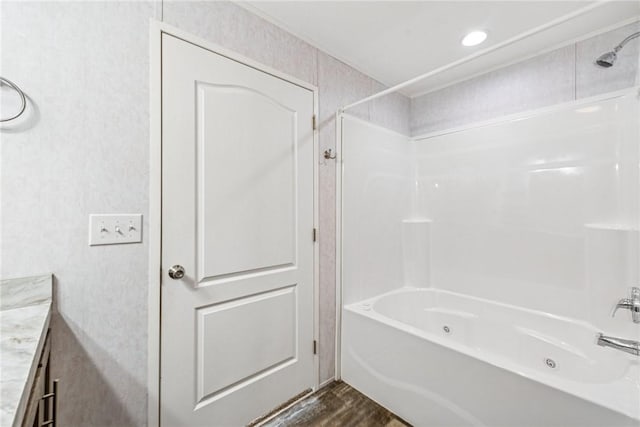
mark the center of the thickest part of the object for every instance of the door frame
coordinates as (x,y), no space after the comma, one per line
(154,227)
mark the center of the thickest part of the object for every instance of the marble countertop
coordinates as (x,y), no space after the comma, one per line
(25,306)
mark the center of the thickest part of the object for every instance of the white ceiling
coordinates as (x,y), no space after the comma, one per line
(393,41)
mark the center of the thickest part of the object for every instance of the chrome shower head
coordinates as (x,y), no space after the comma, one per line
(607,60)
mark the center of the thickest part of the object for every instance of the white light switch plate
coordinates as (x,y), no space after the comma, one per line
(114,229)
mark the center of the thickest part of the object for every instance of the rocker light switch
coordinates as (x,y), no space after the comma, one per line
(114,229)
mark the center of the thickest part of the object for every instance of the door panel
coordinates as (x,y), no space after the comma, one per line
(237,214)
(263,338)
(251,171)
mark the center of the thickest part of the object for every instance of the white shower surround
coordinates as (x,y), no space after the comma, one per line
(558,179)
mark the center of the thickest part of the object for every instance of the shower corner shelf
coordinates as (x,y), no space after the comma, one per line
(611,227)
(416,221)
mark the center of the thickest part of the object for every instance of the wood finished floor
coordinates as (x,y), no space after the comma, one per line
(337,404)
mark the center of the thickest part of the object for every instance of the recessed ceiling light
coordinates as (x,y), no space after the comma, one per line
(474,38)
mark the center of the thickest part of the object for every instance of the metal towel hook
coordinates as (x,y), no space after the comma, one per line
(328,154)
(23,99)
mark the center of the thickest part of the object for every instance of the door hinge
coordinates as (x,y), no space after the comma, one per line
(315,347)
(315,235)
(314,124)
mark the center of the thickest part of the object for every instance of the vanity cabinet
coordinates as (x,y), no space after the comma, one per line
(41,407)
(29,396)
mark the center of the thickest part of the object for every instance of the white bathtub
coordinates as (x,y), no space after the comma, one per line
(438,358)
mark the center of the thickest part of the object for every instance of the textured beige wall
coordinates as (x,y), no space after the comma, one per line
(84,149)
(562,75)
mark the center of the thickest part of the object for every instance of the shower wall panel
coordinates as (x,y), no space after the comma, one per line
(522,208)
(376,190)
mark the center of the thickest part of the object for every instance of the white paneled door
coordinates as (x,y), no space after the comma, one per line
(237,219)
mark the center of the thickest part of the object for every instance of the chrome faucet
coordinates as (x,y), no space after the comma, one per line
(632,304)
(628,346)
